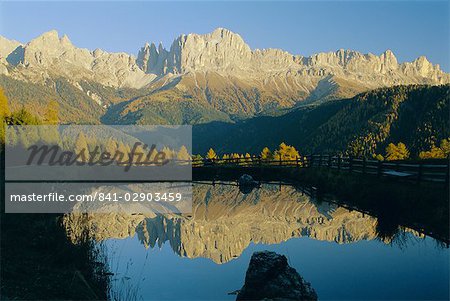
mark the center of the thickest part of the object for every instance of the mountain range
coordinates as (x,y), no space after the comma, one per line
(199,79)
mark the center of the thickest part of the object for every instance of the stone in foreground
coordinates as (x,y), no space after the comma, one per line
(269,277)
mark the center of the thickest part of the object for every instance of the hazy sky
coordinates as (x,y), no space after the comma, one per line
(408,28)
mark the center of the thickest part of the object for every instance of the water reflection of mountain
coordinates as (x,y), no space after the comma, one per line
(225,221)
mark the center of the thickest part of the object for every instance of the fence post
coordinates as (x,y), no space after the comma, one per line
(420,172)
(296,161)
(380,168)
(448,170)
(280,159)
(364,165)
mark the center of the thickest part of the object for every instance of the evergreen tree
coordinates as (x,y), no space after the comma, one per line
(197,160)
(23,117)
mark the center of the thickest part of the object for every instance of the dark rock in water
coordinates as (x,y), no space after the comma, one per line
(269,277)
(247,183)
(247,180)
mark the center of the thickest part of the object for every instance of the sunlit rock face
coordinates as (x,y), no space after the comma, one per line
(224,222)
(217,69)
(50,56)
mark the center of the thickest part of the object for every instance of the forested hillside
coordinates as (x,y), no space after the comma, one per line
(416,115)
(81,105)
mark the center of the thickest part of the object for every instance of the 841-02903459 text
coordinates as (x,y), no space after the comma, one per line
(100,197)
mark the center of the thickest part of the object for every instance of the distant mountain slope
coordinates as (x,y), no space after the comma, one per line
(214,76)
(414,115)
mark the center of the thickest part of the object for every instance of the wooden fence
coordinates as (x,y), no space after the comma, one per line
(424,170)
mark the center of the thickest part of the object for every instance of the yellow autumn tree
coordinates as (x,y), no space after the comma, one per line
(81,148)
(396,152)
(123,154)
(4,112)
(111,147)
(443,151)
(183,154)
(168,153)
(52,112)
(4,107)
(286,153)
(139,154)
(211,154)
(248,158)
(378,157)
(266,154)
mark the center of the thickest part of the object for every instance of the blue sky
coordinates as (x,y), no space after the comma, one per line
(408,28)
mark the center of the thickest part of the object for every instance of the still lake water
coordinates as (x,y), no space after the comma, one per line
(204,255)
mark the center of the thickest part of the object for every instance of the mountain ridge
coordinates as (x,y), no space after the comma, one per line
(217,72)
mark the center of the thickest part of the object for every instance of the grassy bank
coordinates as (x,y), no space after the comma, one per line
(39,263)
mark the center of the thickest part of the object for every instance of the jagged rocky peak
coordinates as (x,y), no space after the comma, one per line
(354,61)
(50,41)
(153,60)
(49,48)
(7,46)
(219,50)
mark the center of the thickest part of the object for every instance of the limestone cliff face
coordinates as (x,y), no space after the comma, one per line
(226,52)
(201,60)
(224,222)
(50,56)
